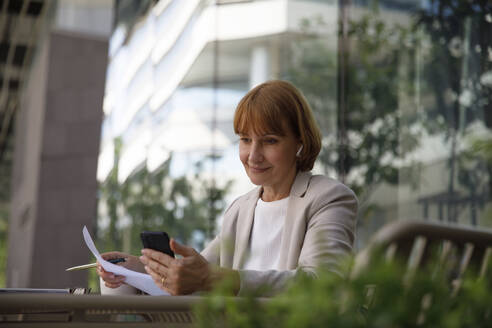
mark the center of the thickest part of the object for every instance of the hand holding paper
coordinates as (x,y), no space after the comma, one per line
(138,280)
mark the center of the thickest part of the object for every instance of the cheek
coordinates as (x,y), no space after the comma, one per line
(283,157)
(243,155)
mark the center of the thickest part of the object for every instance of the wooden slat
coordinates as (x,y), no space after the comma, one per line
(485,261)
(415,258)
(465,260)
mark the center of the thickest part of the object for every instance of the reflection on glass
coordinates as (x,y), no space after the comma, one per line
(403,101)
(418,111)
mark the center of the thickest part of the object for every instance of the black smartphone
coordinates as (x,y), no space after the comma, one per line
(157,240)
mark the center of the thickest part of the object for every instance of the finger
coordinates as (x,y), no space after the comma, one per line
(112,285)
(157,256)
(162,284)
(181,249)
(158,280)
(155,276)
(113,255)
(157,267)
(110,278)
(103,273)
(100,270)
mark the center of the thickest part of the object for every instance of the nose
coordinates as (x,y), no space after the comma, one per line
(255,153)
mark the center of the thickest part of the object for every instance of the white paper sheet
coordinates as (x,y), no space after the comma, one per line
(138,280)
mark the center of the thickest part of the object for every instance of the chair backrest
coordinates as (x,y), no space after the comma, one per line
(461,247)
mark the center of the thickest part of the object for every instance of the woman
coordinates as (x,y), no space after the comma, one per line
(293,221)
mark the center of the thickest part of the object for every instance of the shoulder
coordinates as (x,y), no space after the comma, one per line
(327,201)
(323,184)
(324,190)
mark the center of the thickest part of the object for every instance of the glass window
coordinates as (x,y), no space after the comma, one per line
(417,111)
(400,89)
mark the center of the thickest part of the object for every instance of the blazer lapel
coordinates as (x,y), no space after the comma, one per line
(294,209)
(243,228)
(300,185)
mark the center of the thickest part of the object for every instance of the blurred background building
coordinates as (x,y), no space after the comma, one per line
(146,91)
(54,59)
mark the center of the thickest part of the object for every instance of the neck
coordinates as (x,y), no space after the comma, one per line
(272,193)
(270,196)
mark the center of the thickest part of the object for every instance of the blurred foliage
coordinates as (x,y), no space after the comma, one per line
(379,296)
(370,138)
(458,60)
(475,170)
(474,173)
(186,207)
(482,147)
(459,46)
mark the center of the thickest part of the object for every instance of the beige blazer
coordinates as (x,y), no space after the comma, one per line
(319,228)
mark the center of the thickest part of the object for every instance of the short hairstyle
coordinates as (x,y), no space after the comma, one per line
(273,105)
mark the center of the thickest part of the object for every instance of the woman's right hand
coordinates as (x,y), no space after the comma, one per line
(114,281)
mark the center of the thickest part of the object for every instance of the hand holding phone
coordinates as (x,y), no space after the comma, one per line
(158,241)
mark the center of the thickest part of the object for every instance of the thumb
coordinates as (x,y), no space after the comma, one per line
(181,249)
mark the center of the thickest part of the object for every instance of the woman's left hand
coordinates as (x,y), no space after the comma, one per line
(177,276)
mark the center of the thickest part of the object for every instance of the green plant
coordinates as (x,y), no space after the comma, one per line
(383,295)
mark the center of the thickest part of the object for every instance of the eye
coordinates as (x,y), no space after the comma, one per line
(244,140)
(270,141)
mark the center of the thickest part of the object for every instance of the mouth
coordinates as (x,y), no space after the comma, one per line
(258,169)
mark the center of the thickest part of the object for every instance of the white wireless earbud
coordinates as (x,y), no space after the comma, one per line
(298,154)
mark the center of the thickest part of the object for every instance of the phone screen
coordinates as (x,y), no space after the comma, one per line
(158,241)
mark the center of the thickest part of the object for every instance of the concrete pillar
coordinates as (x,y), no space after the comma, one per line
(54,186)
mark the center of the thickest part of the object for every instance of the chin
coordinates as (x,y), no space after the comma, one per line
(256,180)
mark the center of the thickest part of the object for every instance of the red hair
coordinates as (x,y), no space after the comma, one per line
(271,107)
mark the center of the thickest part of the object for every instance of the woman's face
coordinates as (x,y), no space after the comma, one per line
(270,159)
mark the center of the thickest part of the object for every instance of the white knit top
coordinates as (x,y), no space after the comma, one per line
(266,235)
